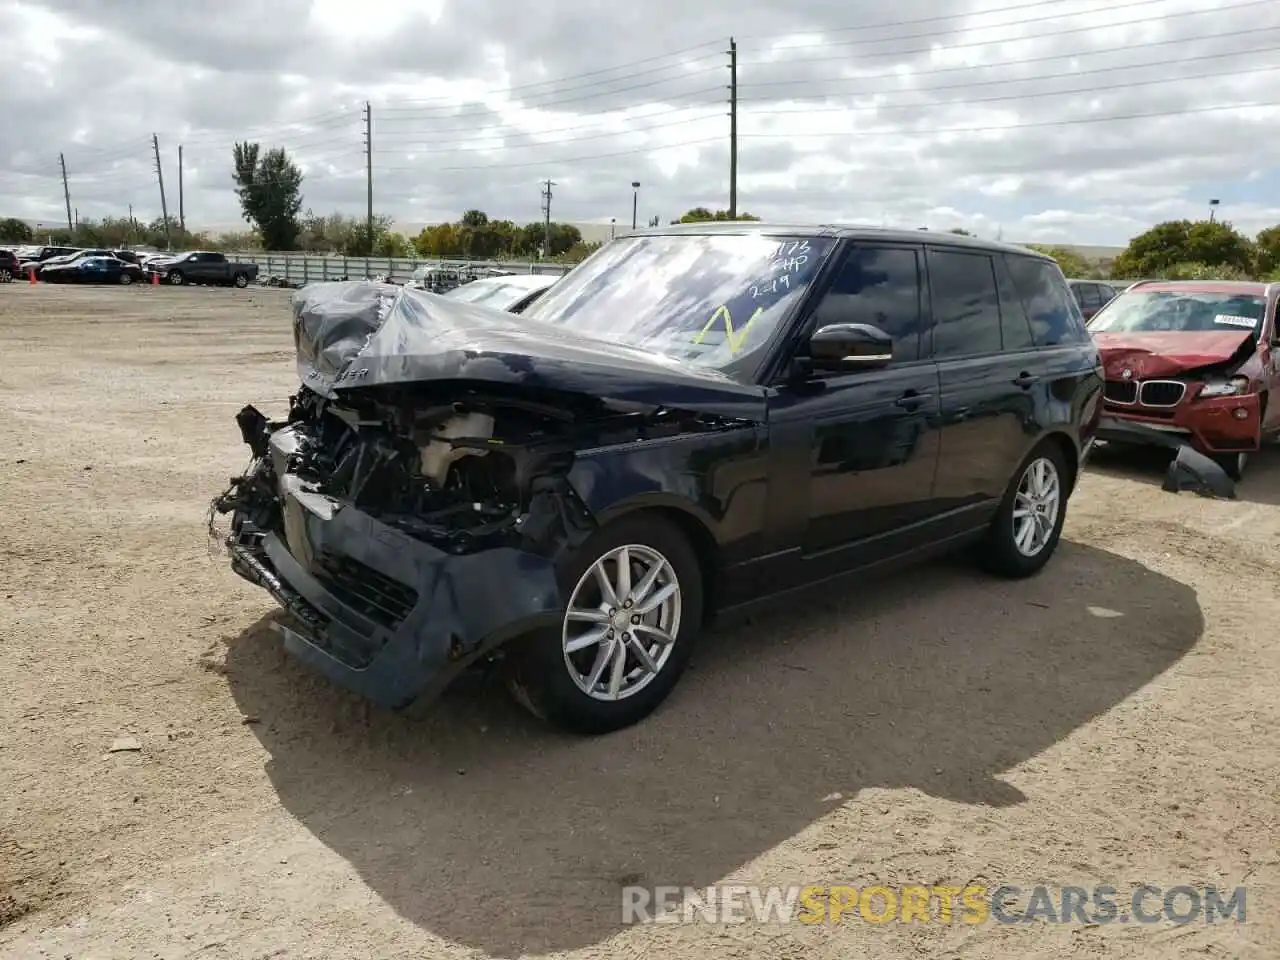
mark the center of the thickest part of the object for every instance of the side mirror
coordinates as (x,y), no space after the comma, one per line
(842,347)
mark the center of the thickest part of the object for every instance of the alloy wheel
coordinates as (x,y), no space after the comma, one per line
(621,622)
(1036,506)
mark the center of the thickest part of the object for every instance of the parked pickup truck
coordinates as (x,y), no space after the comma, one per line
(201,267)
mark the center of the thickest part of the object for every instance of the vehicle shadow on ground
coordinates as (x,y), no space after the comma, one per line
(1143,464)
(491,831)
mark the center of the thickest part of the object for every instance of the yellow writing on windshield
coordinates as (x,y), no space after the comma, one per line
(734,338)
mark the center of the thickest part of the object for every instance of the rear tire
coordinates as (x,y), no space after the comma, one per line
(126,279)
(241,281)
(590,675)
(1028,525)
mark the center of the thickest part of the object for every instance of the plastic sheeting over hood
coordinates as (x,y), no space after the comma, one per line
(355,334)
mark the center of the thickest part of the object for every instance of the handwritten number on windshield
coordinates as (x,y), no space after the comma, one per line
(734,339)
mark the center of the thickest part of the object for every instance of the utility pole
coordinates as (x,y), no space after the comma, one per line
(546,215)
(131,224)
(164,207)
(182,213)
(733,129)
(66,191)
(368,168)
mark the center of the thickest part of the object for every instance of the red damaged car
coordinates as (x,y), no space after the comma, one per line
(1191,362)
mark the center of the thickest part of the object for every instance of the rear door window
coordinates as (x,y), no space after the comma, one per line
(1054,314)
(1015,328)
(966,303)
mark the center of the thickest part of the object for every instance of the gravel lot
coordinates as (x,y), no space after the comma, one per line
(1112,721)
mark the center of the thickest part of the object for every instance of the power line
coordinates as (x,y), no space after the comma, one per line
(1032,5)
(1047,58)
(1092,28)
(674,54)
(654,148)
(476,143)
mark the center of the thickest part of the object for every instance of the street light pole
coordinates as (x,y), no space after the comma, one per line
(613,224)
(1213,207)
(635,201)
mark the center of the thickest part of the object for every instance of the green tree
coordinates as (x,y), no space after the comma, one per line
(1071,263)
(1155,252)
(1267,251)
(1204,271)
(13,230)
(269,186)
(704,215)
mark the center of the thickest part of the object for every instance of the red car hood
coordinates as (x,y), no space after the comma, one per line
(1150,355)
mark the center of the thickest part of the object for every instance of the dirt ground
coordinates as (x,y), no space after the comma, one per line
(1112,721)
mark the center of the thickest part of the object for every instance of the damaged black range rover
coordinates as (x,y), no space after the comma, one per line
(693,421)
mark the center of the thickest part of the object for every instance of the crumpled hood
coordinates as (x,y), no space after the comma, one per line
(1148,355)
(359,333)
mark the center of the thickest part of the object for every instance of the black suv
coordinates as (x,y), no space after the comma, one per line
(693,421)
(8,265)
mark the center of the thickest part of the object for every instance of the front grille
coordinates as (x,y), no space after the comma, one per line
(385,601)
(1120,391)
(1162,393)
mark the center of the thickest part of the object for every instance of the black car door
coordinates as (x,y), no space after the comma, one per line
(987,367)
(855,453)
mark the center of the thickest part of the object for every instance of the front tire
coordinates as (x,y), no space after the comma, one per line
(176,278)
(1028,525)
(633,609)
(6,276)
(1233,464)
(241,281)
(126,279)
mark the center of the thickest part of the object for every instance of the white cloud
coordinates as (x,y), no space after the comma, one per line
(986,115)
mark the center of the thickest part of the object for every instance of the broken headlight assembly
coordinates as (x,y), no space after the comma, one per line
(1225,388)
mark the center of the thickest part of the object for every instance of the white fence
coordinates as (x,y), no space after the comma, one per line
(303,268)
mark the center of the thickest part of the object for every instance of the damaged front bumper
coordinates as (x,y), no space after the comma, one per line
(1188,470)
(390,616)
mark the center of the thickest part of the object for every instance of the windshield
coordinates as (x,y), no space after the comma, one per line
(491,293)
(712,300)
(1161,311)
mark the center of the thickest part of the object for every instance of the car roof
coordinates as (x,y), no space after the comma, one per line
(836,231)
(1258,288)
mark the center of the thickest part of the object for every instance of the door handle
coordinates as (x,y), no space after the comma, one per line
(1024,380)
(912,401)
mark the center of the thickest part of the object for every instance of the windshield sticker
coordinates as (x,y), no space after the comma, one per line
(734,339)
(1233,321)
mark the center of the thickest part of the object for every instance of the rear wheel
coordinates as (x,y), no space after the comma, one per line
(633,611)
(241,280)
(1028,525)
(126,278)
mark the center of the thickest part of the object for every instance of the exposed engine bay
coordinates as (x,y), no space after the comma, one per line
(482,470)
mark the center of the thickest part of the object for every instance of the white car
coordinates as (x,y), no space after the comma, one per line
(511,293)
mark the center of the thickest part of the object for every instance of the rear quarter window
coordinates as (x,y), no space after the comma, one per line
(1053,312)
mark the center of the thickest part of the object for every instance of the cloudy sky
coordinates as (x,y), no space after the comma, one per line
(1080,121)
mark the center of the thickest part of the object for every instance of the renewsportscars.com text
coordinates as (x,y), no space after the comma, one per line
(969,904)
